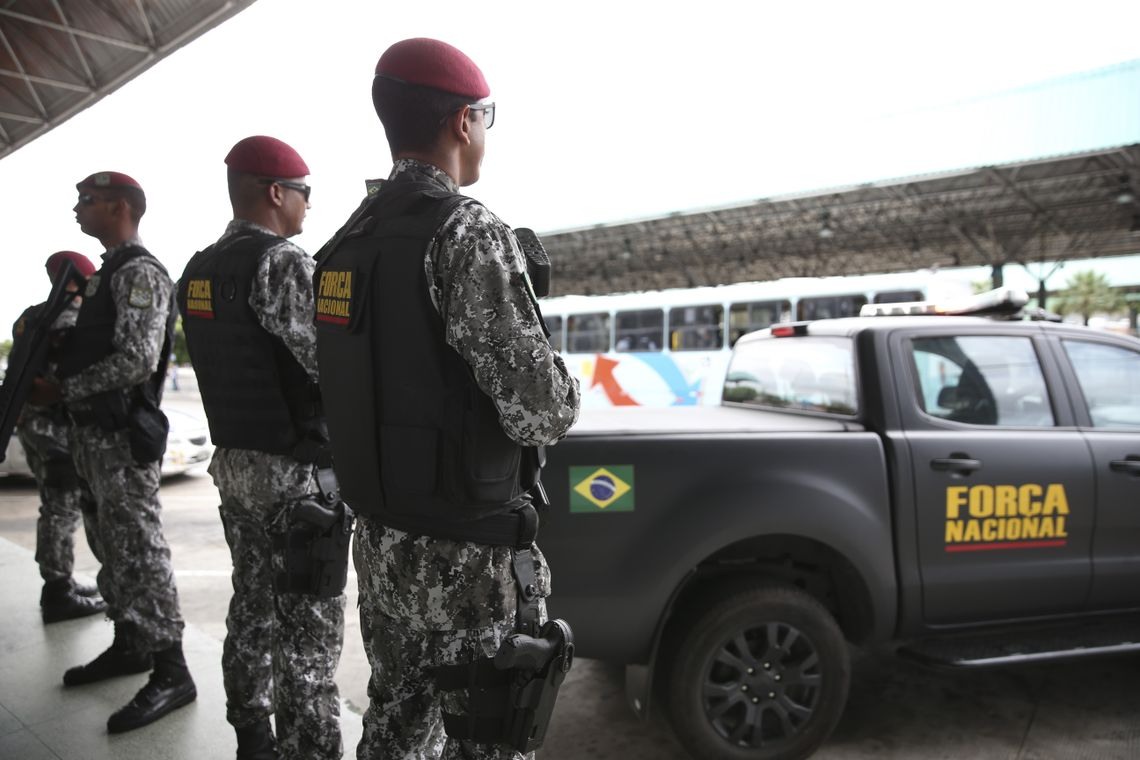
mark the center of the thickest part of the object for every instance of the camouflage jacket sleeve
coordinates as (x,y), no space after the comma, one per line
(478,283)
(282,298)
(142,294)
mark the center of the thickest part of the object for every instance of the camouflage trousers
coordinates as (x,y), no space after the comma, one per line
(65,500)
(137,577)
(426,602)
(281,650)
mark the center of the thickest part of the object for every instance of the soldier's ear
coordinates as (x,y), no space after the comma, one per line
(459,124)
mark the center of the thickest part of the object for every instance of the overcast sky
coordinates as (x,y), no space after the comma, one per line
(606,110)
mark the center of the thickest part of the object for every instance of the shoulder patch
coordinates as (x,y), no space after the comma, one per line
(21,326)
(141,297)
(92,285)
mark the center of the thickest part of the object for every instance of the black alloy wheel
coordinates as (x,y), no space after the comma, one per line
(763,673)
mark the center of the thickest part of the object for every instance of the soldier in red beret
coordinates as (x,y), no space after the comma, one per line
(65,499)
(112,371)
(440,384)
(247,311)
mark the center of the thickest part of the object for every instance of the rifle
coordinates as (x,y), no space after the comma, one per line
(30,353)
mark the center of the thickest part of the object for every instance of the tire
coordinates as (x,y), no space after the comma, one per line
(762,674)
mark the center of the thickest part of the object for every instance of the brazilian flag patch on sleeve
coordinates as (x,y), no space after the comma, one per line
(601,489)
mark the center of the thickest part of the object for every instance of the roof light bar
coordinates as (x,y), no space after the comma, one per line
(999,301)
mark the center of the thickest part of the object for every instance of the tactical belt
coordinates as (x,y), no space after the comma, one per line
(81,417)
(516,528)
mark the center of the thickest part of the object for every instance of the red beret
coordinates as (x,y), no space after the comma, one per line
(266,157)
(108,179)
(82,264)
(431,63)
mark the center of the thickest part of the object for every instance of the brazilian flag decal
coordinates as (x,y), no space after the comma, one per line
(601,489)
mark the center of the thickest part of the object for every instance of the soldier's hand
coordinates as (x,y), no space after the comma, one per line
(45,392)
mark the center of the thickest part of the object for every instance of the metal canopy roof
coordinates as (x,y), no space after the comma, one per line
(1076,206)
(58,57)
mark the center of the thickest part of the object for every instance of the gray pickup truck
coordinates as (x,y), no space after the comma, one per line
(964,488)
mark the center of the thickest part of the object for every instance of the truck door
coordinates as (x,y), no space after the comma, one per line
(1106,390)
(1003,483)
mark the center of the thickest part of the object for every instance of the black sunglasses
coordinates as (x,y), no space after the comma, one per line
(488,110)
(300,187)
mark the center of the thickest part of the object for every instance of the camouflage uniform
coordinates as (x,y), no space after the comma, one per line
(136,559)
(65,499)
(281,650)
(423,601)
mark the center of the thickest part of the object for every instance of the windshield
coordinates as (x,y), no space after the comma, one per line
(805,373)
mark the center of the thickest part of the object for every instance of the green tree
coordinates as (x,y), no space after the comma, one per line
(5,348)
(181,353)
(1088,293)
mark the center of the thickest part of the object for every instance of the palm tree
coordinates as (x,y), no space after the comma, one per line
(1088,293)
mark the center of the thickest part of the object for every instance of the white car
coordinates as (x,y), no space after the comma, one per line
(187,446)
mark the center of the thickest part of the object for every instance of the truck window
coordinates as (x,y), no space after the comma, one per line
(744,318)
(588,333)
(641,330)
(981,380)
(696,328)
(813,374)
(1109,377)
(554,324)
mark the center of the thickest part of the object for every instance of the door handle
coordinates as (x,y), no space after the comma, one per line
(957,465)
(1125,465)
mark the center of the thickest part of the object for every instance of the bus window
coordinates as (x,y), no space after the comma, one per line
(639,330)
(554,324)
(830,307)
(746,317)
(898,296)
(696,328)
(586,333)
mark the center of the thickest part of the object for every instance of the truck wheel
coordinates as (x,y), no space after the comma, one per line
(763,673)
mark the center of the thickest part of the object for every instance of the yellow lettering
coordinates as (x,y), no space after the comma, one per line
(336,284)
(1012,529)
(198,289)
(955,500)
(989,530)
(973,532)
(1055,500)
(1061,531)
(1005,501)
(1027,500)
(954,530)
(1045,527)
(981,501)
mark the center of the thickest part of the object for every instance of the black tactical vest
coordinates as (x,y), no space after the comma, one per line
(417,445)
(256,394)
(92,337)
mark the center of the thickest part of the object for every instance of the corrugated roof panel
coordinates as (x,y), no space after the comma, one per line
(60,57)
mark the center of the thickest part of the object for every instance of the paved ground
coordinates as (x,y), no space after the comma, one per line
(896,710)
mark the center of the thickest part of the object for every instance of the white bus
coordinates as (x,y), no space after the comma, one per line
(671,347)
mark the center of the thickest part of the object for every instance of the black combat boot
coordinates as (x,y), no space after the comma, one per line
(83,589)
(117,660)
(170,687)
(59,601)
(256,742)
